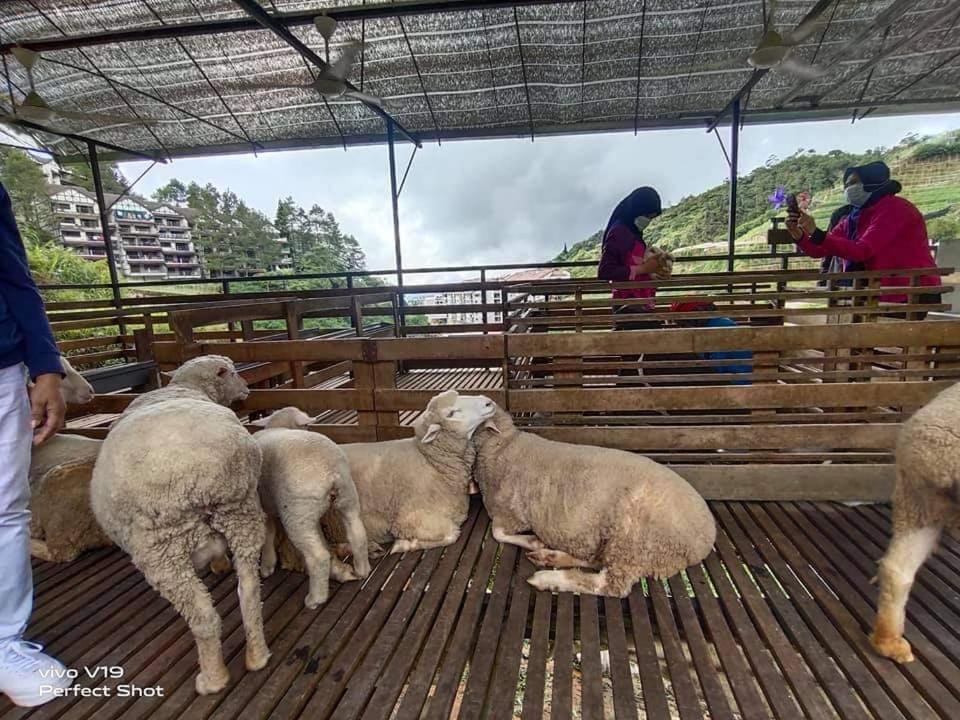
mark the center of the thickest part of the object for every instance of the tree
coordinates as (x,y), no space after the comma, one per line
(174,192)
(26,184)
(110,175)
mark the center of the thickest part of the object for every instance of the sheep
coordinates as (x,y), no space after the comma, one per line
(304,473)
(588,508)
(926,499)
(175,486)
(414,492)
(74,387)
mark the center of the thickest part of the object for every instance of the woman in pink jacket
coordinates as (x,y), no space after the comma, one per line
(882,232)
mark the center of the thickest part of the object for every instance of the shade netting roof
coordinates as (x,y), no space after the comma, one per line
(448,70)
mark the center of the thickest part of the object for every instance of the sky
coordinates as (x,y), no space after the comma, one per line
(511,200)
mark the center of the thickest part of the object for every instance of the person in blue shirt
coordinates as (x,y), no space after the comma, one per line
(27,676)
(718,322)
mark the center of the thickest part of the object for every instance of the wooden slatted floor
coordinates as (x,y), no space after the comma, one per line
(770,626)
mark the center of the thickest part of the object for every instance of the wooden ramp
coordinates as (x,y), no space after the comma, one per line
(772,625)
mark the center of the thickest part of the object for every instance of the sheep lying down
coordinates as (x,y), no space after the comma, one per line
(304,475)
(175,486)
(926,499)
(603,518)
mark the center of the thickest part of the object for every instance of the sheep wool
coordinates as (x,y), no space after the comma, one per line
(304,474)
(175,485)
(588,508)
(926,499)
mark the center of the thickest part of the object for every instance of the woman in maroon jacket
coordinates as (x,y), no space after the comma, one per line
(621,258)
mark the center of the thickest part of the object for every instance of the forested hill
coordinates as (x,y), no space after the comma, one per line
(929,169)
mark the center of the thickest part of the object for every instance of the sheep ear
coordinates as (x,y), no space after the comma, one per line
(261,422)
(431,434)
(222,371)
(491,425)
(167,375)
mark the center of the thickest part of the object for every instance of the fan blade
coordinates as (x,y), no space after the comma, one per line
(363,97)
(326,26)
(769,52)
(800,69)
(341,68)
(27,58)
(804,30)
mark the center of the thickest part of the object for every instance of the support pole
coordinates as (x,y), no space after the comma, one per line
(401,319)
(734,158)
(105,231)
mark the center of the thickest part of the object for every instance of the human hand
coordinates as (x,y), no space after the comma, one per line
(46,407)
(800,224)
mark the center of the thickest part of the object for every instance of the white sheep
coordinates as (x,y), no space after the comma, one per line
(414,492)
(74,387)
(304,473)
(588,508)
(926,499)
(175,486)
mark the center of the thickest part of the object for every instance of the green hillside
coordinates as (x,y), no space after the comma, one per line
(928,168)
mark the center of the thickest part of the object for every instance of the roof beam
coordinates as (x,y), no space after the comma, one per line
(253,8)
(86,140)
(758,74)
(285,20)
(884,20)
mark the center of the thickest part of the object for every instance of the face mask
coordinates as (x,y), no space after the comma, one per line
(642,222)
(856,195)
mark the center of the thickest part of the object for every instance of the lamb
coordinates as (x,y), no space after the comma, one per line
(304,473)
(74,386)
(175,486)
(414,491)
(588,508)
(926,499)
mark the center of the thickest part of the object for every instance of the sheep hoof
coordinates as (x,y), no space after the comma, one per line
(256,659)
(267,568)
(312,602)
(545,580)
(210,685)
(402,546)
(895,648)
(39,550)
(341,572)
(361,570)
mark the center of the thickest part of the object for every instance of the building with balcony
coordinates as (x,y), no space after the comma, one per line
(460,315)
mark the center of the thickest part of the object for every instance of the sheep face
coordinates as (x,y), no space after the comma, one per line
(459,414)
(215,375)
(290,418)
(75,388)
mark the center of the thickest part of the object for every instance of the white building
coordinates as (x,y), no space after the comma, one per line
(463,316)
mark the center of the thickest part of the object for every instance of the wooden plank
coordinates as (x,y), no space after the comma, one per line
(808,626)
(807,395)
(684,692)
(310,401)
(701,340)
(591,676)
(742,678)
(561,703)
(488,640)
(624,699)
(446,587)
(839,483)
(273,350)
(713,693)
(395,400)
(533,694)
(739,437)
(467,348)
(651,680)
(506,671)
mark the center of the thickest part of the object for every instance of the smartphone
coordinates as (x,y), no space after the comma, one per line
(792,205)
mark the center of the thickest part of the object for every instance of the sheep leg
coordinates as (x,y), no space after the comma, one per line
(341,571)
(268,558)
(357,539)
(558,559)
(402,545)
(570,581)
(169,570)
(527,542)
(306,537)
(907,552)
(243,527)
(39,550)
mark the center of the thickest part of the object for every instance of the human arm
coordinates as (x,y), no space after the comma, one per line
(24,305)
(615,259)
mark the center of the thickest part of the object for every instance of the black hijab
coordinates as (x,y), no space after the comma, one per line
(642,201)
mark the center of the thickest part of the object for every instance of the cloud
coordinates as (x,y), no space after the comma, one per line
(510,201)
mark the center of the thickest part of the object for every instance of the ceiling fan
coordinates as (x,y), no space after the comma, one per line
(34,108)
(332,82)
(775,50)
